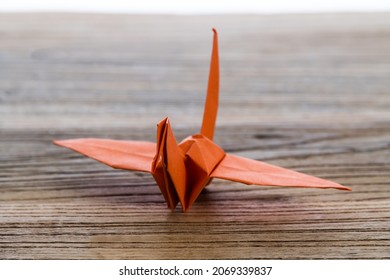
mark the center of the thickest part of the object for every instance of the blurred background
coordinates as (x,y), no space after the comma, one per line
(197,6)
(76,64)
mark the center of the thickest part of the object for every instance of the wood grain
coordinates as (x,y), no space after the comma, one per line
(307,92)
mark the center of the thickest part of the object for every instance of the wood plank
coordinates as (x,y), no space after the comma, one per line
(307,92)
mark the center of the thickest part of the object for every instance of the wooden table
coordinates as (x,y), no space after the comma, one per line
(307,92)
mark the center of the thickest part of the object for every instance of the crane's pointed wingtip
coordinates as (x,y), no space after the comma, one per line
(65,143)
(57,142)
(342,188)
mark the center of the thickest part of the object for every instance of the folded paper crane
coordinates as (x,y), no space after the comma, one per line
(183,170)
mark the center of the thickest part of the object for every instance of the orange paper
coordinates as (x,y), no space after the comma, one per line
(183,170)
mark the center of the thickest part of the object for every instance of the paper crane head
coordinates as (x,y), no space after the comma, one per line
(183,170)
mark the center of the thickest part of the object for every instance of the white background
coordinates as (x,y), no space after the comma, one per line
(195,6)
(281,269)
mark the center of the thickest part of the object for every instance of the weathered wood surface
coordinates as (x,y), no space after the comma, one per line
(308,92)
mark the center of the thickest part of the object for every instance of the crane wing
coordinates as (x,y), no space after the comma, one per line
(253,172)
(128,155)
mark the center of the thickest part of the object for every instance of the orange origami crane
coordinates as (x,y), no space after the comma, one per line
(183,170)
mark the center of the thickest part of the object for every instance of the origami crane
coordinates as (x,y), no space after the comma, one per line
(183,170)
